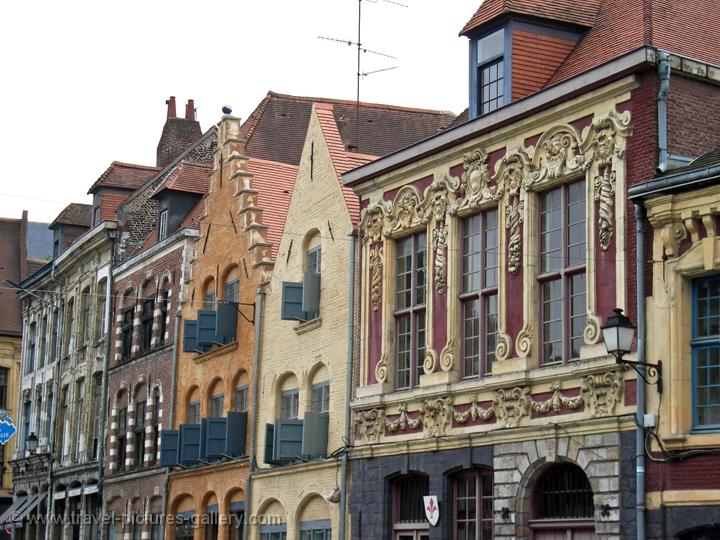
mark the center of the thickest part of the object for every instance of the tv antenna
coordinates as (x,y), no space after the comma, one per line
(360,50)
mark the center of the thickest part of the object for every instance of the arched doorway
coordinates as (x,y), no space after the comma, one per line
(562,505)
(705,533)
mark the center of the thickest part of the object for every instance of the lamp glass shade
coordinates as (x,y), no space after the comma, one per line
(618,334)
(32,442)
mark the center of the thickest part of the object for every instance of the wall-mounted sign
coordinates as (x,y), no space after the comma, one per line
(432,510)
(7,429)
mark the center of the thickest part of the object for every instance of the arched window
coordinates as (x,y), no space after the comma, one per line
(101,308)
(139,426)
(231,289)
(216,400)
(409,517)
(85,316)
(209,294)
(127,326)
(164,310)
(69,326)
(146,316)
(122,424)
(79,428)
(156,426)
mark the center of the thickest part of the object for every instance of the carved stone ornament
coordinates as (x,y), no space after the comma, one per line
(473,413)
(523,341)
(371,424)
(604,139)
(512,405)
(437,415)
(601,392)
(671,235)
(593,330)
(475,179)
(403,421)
(381,369)
(556,155)
(604,189)
(373,222)
(407,211)
(439,197)
(502,350)
(513,219)
(439,246)
(447,355)
(514,172)
(376,275)
(430,361)
(557,401)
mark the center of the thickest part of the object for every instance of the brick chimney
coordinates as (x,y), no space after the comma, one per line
(178,133)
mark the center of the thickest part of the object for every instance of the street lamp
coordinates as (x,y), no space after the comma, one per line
(32,443)
(618,334)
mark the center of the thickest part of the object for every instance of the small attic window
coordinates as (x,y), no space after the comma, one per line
(489,72)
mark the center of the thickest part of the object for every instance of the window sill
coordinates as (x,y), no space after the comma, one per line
(199,359)
(307,326)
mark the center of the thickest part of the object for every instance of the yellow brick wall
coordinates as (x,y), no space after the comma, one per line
(309,351)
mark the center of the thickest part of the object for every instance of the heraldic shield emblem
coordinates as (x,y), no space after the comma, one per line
(432,511)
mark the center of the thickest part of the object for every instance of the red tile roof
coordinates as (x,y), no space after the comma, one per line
(578,12)
(276,129)
(74,214)
(124,176)
(274,182)
(187,176)
(342,160)
(109,203)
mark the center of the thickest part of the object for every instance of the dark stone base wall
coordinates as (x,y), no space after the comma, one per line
(680,522)
(371,496)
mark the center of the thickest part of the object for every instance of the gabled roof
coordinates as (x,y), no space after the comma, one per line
(124,176)
(577,12)
(74,214)
(342,160)
(274,182)
(277,127)
(187,176)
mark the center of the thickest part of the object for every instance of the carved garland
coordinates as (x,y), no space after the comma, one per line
(600,394)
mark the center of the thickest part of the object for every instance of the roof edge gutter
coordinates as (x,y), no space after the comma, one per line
(657,186)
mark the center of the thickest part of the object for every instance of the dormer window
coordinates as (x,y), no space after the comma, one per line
(490,71)
(162,225)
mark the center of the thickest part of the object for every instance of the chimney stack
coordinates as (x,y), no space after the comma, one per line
(190,110)
(171,113)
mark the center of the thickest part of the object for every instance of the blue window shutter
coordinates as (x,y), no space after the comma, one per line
(269,458)
(169,448)
(190,443)
(315,434)
(206,327)
(226,322)
(215,436)
(288,439)
(190,343)
(236,433)
(292,296)
(311,291)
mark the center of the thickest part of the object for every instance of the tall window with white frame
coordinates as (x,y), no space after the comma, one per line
(163,225)
(30,358)
(85,299)
(490,71)
(79,429)
(479,293)
(289,403)
(43,342)
(97,409)
(562,278)
(127,334)
(473,510)
(217,404)
(320,397)
(101,308)
(146,323)
(705,345)
(121,438)
(410,293)
(139,429)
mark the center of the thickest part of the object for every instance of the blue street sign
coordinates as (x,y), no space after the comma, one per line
(7,429)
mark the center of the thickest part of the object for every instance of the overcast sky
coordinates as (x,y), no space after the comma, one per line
(85,83)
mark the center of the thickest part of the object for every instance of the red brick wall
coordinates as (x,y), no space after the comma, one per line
(535,57)
(693,126)
(701,472)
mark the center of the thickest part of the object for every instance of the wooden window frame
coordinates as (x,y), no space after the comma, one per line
(697,344)
(480,476)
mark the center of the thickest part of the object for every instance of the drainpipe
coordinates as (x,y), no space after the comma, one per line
(253,417)
(171,401)
(640,414)
(106,366)
(348,385)
(664,75)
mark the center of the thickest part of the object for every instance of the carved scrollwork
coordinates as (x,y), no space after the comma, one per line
(403,421)
(430,361)
(592,332)
(381,369)
(556,402)
(514,171)
(523,341)
(605,137)
(407,210)
(602,392)
(437,415)
(447,355)
(604,188)
(671,235)
(475,179)
(374,221)
(557,155)
(502,350)
(512,405)
(439,245)
(370,425)
(376,271)
(513,219)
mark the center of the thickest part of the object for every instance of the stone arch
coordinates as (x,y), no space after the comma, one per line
(312,507)
(269,509)
(209,499)
(183,502)
(127,298)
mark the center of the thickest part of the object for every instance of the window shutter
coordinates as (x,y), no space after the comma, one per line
(315,434)
(292,296)
(206,327)
(169,448)
(311,291)
(214,437)
(269,444)
(226,322)
(190,443)
(288,439)
(236,433)
(190,338)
